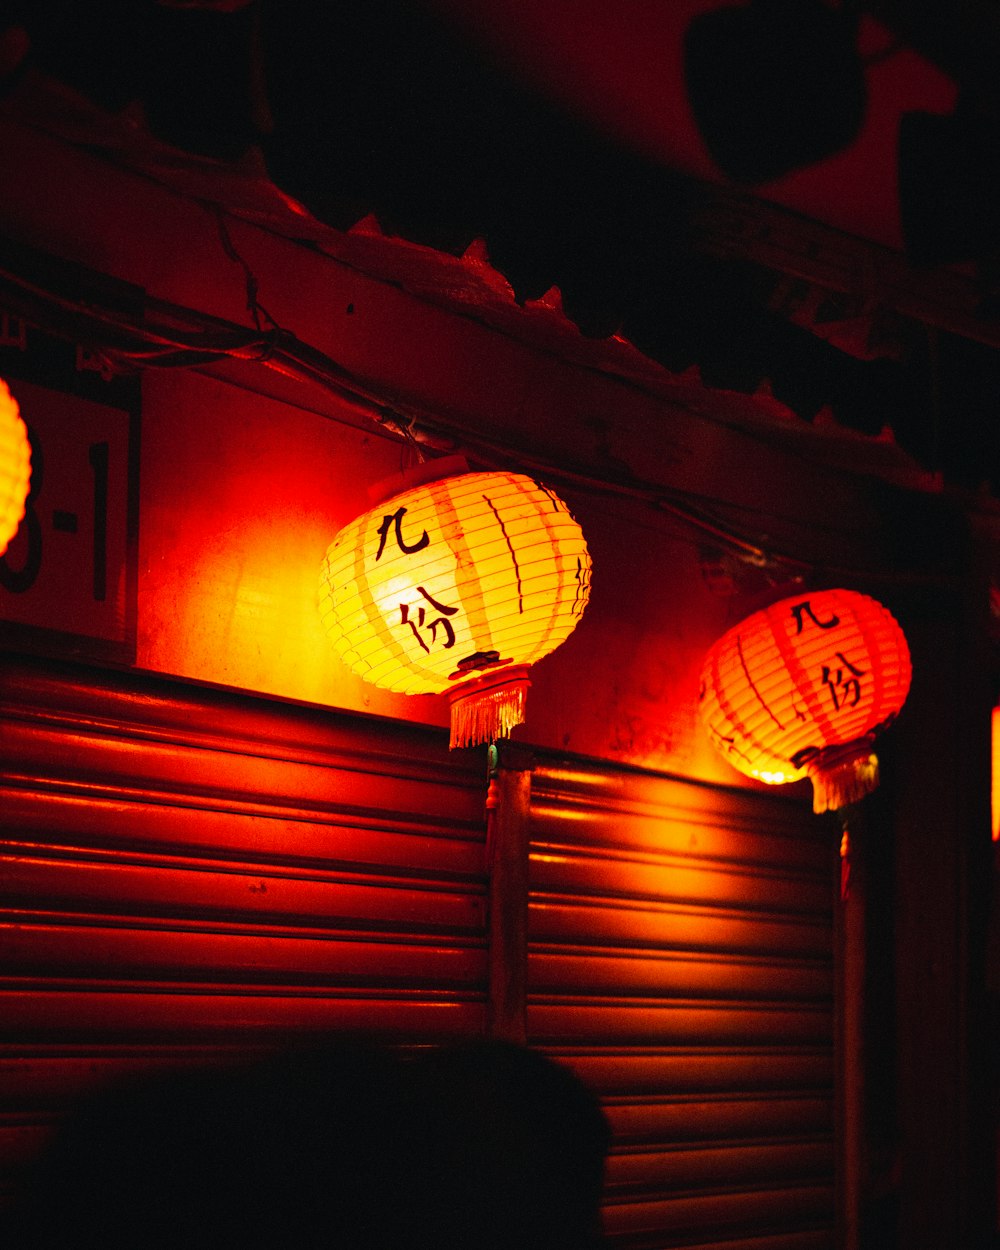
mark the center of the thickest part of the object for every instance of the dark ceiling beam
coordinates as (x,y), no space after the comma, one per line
(731,226)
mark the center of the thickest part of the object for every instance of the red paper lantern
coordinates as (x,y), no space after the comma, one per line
(457,585)
(15,466)
(802,688)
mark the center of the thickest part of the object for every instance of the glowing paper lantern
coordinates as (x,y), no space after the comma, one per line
(15,466)
(802,688)
(457,585)
(995,780)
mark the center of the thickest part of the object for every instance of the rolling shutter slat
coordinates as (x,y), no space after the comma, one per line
(187,874)
(190,874)
(681,961)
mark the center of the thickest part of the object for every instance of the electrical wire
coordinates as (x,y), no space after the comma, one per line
(254,307)
(169,336)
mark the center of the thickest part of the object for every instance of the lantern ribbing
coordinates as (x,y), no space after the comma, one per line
(802,687)
(480,573)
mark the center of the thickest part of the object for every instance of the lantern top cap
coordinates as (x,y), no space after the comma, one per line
(428,471)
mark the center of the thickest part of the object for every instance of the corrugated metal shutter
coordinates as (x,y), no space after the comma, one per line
(681,960)
(185,872)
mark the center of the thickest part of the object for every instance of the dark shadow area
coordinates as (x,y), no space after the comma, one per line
(479,1144)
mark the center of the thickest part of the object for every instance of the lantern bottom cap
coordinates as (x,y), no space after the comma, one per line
(489,706)
(842,775)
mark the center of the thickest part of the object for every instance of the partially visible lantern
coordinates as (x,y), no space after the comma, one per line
(802,687)
(15,466)
(995,779)
(457,585)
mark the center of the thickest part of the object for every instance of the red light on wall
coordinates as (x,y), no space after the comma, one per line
(15,466)
(802,688)
(458,585)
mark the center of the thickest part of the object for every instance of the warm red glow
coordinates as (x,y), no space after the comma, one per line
(462,580)
(802,687)
(995,784)
(15,466)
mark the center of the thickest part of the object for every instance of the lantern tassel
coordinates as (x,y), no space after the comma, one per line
(488,707)
(843,775)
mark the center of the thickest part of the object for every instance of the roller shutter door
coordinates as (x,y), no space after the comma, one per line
(680,959)
(185,873)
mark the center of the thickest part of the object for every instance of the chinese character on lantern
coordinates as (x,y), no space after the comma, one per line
(802,688)
(458,585)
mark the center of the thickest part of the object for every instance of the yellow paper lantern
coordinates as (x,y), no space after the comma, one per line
(15,466)
(995,779)
(802,688)
(457,585)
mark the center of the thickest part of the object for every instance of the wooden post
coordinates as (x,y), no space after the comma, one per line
(942,883)
(849,935)
(508,826)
